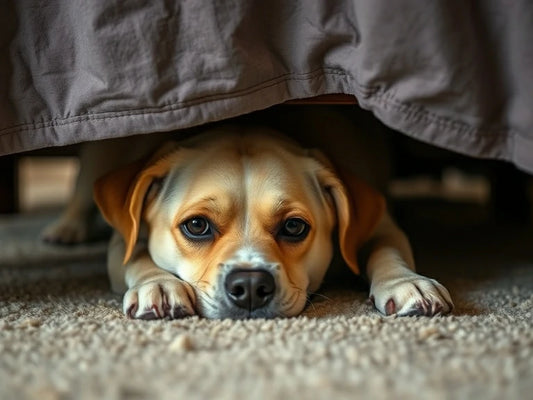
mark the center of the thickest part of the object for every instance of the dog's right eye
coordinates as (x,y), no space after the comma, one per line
(197,228)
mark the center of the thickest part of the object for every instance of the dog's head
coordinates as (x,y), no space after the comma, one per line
(246,219)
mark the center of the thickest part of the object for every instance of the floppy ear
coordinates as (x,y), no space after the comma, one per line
(120,194)
(358,206)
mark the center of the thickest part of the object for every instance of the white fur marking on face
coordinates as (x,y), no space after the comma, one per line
(248,255)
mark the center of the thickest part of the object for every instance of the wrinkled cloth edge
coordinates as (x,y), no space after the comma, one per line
(414,121)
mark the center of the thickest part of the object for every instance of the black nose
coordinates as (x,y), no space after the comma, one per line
(250,289)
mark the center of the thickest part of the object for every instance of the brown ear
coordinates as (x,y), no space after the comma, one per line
(120,194)
(359,208)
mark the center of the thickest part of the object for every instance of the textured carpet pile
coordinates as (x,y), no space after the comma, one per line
(63,335)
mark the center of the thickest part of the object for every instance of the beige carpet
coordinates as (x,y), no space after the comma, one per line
(62,335)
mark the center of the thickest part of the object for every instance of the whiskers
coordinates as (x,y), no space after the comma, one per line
(291,299)
(319,295)
(309,301)
(206,300)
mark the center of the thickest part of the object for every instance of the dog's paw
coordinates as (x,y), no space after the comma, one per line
(410,294)
(66,230)
(164,298)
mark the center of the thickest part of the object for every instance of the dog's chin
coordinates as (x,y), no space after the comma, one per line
(238,313)
(224,310)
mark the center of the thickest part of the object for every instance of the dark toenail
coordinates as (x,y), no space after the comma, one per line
(390,307)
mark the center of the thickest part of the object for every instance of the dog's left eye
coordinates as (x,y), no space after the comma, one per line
(197,228)
(294,230)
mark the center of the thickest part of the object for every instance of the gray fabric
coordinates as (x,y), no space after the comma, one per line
(456,74)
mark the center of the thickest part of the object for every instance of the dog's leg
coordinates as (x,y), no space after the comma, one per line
(394,286)
(151,292)
(75,222)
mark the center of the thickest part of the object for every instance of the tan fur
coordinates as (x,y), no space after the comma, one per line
(246,182)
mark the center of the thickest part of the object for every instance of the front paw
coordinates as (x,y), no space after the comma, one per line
(169,297)
(410,294)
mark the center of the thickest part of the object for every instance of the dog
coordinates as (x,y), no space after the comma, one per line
(238,222)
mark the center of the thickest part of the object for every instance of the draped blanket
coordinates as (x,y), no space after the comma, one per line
(455,74)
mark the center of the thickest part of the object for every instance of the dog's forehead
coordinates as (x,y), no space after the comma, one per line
(254,164)
(236,175)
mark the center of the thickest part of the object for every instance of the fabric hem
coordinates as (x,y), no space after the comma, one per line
(412,120)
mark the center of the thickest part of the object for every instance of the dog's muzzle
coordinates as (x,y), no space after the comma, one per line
(250,289)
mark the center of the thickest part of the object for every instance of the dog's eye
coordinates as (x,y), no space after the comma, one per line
(294,230)
(197,228)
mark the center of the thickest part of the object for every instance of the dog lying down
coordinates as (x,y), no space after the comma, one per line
(238,223)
